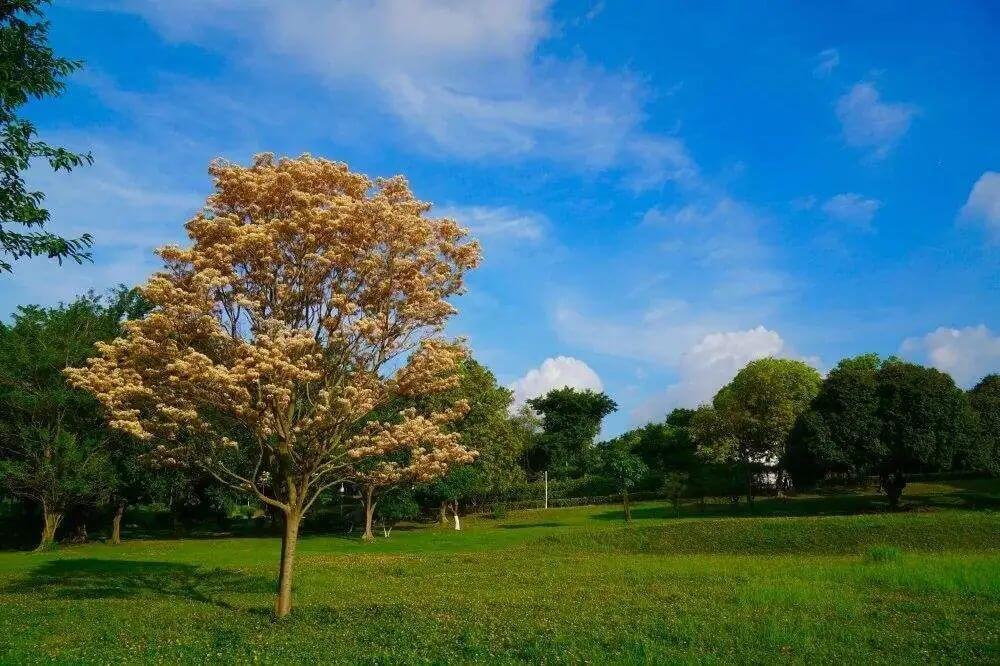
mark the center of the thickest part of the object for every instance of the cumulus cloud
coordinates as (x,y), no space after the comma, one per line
(467,77)
(983,204)
(967,354)
(708,366)
(827,61)
(554,373)
(501,222)
(870,123)
(852,208)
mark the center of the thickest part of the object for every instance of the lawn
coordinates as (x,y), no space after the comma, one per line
(813,579)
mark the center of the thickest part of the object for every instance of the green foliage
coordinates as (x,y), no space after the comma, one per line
(52,437)
(890,419)
(488,429)
(753,415)
(571,420)
(985,400)
(30,70)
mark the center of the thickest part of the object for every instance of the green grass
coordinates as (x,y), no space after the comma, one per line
(818,580)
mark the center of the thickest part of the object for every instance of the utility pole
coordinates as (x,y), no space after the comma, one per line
(546,489)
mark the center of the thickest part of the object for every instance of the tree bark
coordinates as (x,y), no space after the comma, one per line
(51,521)
(454,510)
(289,540)
(116,524)
(369,514)
(628,509)
(893,485)
(443,513)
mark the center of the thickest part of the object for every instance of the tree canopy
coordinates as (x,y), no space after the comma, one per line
(30,70)
(571,420)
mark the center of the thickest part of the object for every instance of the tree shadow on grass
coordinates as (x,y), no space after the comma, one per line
(521,526)
(827,505)
(90,578)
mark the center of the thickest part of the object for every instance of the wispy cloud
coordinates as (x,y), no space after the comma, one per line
(826,62)
(870,123)
(468,77)
(498,223)
(852,208)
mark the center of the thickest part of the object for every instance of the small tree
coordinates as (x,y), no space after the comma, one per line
(394,506)
(674,487)
(304,286)
(625,469)
(30,70)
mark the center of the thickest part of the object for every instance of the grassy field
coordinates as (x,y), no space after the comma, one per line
(813,579)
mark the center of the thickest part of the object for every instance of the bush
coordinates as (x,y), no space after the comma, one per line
(879,554)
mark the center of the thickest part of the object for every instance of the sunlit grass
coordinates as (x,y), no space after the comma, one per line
(560,585)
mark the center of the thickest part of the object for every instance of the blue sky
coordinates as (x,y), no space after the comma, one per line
(664,190)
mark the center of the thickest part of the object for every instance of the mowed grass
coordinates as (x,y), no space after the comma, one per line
(816,579)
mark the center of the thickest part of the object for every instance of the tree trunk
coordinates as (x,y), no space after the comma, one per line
(369,514)
(443,513)
(289,539)
(79,532)
(628,509)
(893,485)
(749,487)
(116,524)
(51,521)
(454,510)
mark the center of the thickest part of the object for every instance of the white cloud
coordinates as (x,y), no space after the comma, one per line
(828,59)
(983,204)
(502,222)
(554,373)
(708,366)
(870,123)
(469,75)
(967,354)
(852,208)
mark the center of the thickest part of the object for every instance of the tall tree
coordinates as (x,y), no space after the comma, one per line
(305,284)
(842,430)
(926,423)
(985,399)
(571,419)
(752,416)
(51,434)
(30,70)
(889,419)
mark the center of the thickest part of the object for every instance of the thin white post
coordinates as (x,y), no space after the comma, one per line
(546,489)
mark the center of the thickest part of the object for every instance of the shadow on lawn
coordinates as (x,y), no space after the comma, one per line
(89,578)
(521,526)
(827,505)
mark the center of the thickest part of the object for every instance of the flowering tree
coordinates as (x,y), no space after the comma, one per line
(274,337)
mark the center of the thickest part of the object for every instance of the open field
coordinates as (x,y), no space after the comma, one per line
(814,579)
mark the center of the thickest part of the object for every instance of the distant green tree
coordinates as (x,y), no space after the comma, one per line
(842,429)
(624,468)
(750,418)
(394,506)
(674,487)
(29,69)
(571,420)
(985,400)
(52,435)
(927,423)
(889,419)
